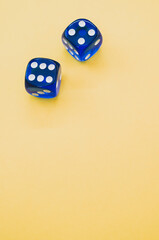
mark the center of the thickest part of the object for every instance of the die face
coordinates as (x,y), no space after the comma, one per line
(42,78)
(80,38)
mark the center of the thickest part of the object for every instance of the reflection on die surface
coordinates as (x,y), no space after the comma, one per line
(43,78)
(82,39)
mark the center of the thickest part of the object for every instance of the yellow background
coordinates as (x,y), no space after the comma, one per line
(83,166)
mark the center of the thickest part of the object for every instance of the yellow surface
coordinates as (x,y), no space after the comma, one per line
(84,166)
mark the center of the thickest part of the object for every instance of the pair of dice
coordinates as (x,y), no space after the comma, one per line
(82,39)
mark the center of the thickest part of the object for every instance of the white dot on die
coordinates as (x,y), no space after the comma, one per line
(70,46)
(97,42)
(77,58)
(64,41)
(34,64)
(40,78)
(66,47)
(81,41)
(31,77)
(47,91)
(35,94)
(71,32)
(91,32)
(42,66)
(76,52)
(82,24)
(71,52)
(87,56)
(40,92)
(51,67)
(49,79)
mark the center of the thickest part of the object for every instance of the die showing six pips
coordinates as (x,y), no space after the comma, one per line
(43,78)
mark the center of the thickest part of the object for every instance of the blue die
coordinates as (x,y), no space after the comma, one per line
(82,39)
(43,78)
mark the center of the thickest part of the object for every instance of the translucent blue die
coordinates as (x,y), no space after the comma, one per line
(43,78)
(82,39)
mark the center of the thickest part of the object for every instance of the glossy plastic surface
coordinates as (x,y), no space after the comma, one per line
(43,78)
(82,39)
